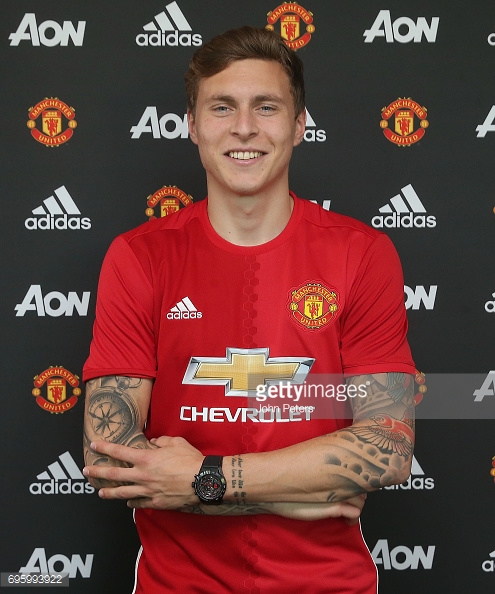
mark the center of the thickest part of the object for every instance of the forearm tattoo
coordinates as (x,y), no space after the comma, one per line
(237,481)
(112,415)
(374,451)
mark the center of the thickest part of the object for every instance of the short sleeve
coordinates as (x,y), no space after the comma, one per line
(123,337)
(374,326)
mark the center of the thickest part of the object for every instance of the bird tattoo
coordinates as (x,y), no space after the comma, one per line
(387,434)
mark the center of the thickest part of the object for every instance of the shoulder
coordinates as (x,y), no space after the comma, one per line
(316,215)
(169,223)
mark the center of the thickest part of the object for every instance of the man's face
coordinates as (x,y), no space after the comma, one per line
(245,128)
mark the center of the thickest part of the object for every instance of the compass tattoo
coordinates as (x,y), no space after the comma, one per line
(112,415)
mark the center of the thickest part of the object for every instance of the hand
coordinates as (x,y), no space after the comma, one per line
(349,510)
(158,478)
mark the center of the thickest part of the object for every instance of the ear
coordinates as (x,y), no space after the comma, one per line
(300,127)
(191,124)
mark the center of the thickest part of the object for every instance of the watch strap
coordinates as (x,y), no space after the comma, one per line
(212,463)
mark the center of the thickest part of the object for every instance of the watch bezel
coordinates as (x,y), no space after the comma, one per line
(205,491)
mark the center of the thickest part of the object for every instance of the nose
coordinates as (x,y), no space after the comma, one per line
(244,124)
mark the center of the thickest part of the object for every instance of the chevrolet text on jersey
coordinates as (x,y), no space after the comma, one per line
(264,414)
(170,28)
(48,33)
(402,30)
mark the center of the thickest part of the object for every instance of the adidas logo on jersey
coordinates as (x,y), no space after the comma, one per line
(62,478)
(184,310)
(61,214)
(172,30)
(404,211)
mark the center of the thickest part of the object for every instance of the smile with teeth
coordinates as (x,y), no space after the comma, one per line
(244,155)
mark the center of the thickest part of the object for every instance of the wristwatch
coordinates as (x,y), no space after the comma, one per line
(210,484)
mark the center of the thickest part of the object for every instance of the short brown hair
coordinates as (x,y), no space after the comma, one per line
(242,44)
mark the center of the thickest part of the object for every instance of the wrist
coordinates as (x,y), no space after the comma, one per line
(209,484)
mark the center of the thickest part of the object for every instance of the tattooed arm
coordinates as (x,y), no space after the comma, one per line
(374,452)
(115,411)
(330,473)
(116,408)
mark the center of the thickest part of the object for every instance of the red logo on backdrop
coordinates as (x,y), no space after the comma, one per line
(58,381)
(403,129)
(292,18)
(313,305)
(169,199)
(56,124)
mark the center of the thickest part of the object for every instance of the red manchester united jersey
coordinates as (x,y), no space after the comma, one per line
(216,325)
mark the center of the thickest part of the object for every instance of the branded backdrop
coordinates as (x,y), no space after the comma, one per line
(401,135)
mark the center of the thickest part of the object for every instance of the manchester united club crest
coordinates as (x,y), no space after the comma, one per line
(51,390)
(166,200)
(404,122)
(313,305)
(56,122)
(293,18)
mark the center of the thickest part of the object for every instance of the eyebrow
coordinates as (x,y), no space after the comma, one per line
(256,99)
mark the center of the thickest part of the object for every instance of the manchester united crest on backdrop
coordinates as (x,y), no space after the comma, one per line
(51,389)
(168,199)
(296,24)
(56,122)
(400,122)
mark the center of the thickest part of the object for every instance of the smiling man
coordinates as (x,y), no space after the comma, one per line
(230,495)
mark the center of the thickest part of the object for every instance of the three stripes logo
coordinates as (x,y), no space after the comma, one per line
(58,211)
(184,310)
(63,477)
(169,28)
(416,482)
(404,211)
(311,134)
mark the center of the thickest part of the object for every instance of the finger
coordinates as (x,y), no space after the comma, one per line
(117,451)
(350,513)
(129,492)
(115,474)
(162,441)
(141,503)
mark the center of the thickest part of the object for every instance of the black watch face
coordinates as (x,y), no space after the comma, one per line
(210,487)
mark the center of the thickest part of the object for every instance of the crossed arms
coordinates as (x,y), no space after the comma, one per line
(327,476)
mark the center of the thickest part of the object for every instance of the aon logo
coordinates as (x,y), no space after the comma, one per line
(402,557)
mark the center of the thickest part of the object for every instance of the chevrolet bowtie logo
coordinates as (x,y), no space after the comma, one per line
(243,370)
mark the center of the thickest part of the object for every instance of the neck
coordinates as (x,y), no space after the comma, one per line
(249,220)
